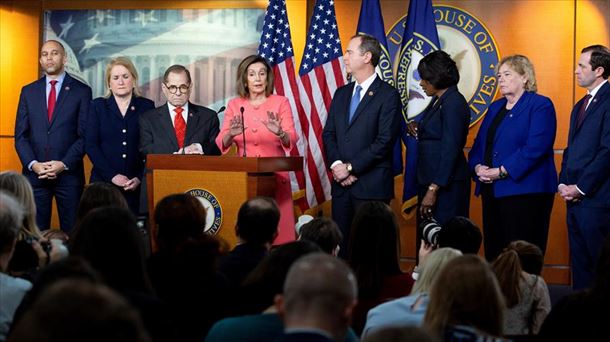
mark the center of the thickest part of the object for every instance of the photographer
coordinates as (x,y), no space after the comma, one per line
(459,233)
(32,249)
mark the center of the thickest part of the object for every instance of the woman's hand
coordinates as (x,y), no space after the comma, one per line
(236,126)
(482,172)
(119,180)
(132,184)
(412,129)
(273,123)
(428,202)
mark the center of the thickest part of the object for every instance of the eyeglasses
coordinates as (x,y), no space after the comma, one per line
(174,89)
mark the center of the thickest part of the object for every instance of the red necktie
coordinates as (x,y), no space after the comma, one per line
(51,100)
(581,112)
(179,126)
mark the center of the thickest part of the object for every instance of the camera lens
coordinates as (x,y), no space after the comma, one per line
(430,230)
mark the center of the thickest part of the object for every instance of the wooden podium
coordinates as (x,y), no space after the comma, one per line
(221,183)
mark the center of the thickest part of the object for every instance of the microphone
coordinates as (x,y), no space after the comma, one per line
(243,133)
(222,109)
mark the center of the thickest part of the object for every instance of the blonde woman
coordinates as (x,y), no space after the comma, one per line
(113,132)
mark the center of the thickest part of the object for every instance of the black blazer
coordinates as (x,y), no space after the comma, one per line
(157,130)
(112,140)
(367,142)
(441,134)
(61,139)
(586,159)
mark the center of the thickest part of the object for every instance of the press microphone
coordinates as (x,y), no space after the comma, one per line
(243,133)
(222,109)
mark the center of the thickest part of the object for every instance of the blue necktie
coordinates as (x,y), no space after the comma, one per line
(354,103)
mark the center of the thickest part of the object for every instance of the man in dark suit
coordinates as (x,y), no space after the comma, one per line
(49,137)
(320,293)
(179,126)
(362,127)
(585,170)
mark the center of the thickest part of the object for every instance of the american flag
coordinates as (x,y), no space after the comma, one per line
(321,72)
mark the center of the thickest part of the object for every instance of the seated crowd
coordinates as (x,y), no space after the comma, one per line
(101,284)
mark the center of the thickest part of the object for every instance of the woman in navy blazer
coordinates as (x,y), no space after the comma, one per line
(512,159)
(442,171)
(113,132)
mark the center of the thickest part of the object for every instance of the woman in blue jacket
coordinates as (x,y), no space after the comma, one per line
(512,160)
(113,132)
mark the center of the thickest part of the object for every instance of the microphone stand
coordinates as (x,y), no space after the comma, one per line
(243,134)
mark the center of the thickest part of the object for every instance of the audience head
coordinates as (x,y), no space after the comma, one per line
(530,256)
(373,252)
(462,234)
(431,267)
(120,71)
(267,279)
(11,218)
(324,232)
(97,195)
(80,310)
(257,221)
(400,334)
(320,292)
(438,71)
(19,187)
(109,239)
(179,218)
(466,293)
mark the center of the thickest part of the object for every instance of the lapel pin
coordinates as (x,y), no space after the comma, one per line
(190,115)
(133,108)
(67,88)
(371,93)
(594,100)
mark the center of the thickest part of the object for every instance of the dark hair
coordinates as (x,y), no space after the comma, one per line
(177,69)
(77,310)
(373,250)
(324,232)
(508,271)
(439,69)
(242,75)
(178,217)
(58,43)
(257,220)
(370,44)
(600,57)
(462,234)
(108,238)
(530,256)
(97,195)
(267,279)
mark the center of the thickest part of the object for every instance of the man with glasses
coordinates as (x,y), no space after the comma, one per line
(49,137)
(178,127)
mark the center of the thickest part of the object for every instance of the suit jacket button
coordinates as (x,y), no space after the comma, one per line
(124,156)
(124,143)
(124,130)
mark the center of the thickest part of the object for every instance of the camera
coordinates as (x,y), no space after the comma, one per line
(430,230)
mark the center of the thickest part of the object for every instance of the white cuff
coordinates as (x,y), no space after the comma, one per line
(577,188)
(336,162)
(32,163)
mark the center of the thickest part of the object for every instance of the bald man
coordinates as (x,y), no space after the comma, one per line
(320,293)
(49,136)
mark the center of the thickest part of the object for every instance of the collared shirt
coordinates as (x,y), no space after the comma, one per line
(594,92)
(185,112)
(365,85)
(60,81)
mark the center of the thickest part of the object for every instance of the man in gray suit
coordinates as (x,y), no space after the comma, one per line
(179,127)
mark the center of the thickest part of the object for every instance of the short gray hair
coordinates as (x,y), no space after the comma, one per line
(11,219)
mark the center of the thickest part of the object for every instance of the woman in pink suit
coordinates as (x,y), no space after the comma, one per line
(268,129)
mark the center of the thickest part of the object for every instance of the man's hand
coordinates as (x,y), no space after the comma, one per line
(51,169)
(427,204)
(351,179)
(340,172)
(569,192)
(38,168)
(193,149)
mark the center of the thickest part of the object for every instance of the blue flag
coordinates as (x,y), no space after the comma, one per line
(371,22)
(419,39)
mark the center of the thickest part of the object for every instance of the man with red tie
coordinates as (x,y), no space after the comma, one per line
(585,171)
(49,137)
(179,126)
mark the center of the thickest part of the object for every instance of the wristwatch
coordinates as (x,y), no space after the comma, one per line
(349,167)
(502,174)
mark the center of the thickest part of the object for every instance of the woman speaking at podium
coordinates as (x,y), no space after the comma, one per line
(260,124)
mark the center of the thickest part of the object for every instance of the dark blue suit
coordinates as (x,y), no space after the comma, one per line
(367,143)
(523,144)
(61,139)
(441,134)
(586,163)
(112,142)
